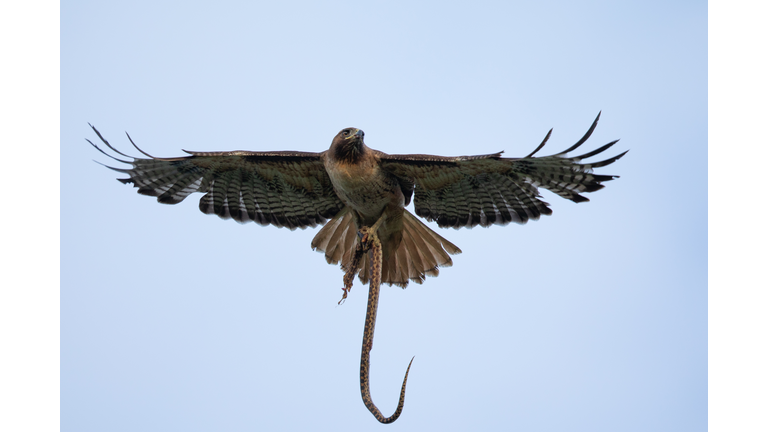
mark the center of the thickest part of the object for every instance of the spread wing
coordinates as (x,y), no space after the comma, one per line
(484,190)
(285,189)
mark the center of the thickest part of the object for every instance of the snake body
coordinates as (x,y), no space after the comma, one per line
(369,240)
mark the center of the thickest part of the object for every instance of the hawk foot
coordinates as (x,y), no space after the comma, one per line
(365,234)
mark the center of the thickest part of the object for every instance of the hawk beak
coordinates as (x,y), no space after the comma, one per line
(356,133)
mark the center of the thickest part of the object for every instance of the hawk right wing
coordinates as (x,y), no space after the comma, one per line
(286,189)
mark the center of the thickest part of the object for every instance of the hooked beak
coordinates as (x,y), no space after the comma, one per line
(356,133)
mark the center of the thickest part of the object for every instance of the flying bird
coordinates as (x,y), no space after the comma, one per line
(355,186)
(356,191)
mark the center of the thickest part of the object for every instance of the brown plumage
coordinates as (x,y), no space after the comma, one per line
(354,186)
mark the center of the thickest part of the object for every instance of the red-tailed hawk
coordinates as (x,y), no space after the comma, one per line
(364,193)
(354,185)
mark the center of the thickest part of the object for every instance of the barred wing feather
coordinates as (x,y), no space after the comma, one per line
(467,191)
(285,189)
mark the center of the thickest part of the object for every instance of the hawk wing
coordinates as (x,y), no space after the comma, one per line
(485,190)
(285,189)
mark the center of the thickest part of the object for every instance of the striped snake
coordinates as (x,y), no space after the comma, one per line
(370,241)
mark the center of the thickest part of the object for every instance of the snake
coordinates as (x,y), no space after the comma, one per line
(369,241)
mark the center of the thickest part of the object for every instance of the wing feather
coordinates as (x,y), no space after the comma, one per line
(485,190)
(286,189)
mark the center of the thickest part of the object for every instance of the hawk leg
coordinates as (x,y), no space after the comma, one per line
(364,244)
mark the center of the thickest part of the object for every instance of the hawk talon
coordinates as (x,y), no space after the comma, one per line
(365,240)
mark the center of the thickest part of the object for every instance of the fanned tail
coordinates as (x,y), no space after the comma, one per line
(419,254)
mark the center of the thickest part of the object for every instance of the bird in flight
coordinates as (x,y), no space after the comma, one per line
(357,192)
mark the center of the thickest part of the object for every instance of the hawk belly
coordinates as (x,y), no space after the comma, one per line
(371,193)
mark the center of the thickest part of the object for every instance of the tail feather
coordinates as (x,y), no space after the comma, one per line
(333,234)
(420,253)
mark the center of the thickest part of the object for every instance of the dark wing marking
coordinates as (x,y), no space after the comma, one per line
(484,190)
(285,189)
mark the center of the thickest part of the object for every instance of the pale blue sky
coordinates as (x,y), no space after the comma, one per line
(594,318)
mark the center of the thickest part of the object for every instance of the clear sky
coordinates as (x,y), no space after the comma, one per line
(592,319)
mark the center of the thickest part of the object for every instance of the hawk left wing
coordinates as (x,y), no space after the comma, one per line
(285,189)
(466,191)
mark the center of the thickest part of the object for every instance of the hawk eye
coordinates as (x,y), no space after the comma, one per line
(345,132)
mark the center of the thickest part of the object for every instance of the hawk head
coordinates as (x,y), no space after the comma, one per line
(348,145)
